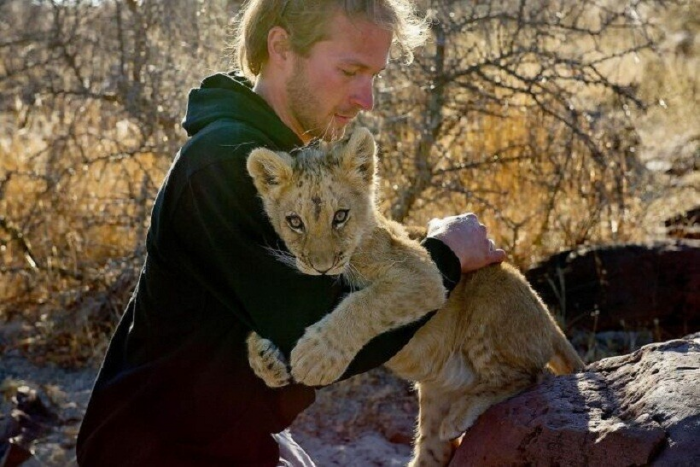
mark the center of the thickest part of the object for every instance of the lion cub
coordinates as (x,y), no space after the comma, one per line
(489,340)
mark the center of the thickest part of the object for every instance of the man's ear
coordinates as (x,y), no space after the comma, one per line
(359,155)
(278,46)
(269,169)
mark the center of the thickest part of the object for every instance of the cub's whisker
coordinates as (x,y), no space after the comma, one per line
(284,257)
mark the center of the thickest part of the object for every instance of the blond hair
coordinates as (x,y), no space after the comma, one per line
(306,20)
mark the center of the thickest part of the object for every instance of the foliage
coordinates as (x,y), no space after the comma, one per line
(92,95)
(522,111)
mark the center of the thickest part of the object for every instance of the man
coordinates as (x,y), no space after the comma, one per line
(175,388)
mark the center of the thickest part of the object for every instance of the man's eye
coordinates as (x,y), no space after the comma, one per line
(348,73)
(295,222)
(340,216)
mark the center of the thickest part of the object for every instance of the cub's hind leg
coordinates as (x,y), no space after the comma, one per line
(499,386)
(429,449)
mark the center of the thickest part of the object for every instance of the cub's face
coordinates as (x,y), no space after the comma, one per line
(319,200)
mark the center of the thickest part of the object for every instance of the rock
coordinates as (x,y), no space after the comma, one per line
(630,287)
(12,455)
(637,409)
(30,420)
(33,416)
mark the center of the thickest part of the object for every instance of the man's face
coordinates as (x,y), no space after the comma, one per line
(327,89)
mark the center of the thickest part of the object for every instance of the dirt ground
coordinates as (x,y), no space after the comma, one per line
(365,421)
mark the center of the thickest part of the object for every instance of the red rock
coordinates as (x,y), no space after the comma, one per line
(654,286)
(635,409)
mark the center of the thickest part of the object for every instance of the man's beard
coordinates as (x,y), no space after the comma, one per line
(304,105)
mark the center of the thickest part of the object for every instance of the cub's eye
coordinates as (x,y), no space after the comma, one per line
(340,216)
(295,222)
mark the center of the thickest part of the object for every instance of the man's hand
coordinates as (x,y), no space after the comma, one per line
(467,238)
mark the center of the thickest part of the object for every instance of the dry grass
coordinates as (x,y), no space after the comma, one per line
(533,179)
(73,237)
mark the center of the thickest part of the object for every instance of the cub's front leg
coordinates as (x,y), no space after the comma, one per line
(326,349)
(267,361)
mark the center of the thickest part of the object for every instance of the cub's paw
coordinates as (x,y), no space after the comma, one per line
(433,454)
(451,429)
(317,359)
(267,361)
(458,420)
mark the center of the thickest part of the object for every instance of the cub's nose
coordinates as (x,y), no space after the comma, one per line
(322,264)
(322,272)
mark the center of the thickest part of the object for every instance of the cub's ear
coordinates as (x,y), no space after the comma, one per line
(359,155)
(269,169)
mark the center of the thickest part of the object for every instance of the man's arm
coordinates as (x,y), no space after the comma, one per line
(218,219)
(457,244)
(470,238)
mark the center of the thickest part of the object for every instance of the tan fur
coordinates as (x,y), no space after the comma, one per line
(491,339)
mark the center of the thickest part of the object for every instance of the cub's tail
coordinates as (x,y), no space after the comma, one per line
(565,360)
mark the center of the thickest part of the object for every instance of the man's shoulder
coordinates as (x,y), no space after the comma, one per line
(226,136)
(225,141)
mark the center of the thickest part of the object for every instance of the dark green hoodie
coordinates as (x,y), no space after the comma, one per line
(175,388)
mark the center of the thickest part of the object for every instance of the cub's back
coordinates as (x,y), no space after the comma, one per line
(502,320)
(491,320)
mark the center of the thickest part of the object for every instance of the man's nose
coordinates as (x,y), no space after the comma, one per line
(363,95)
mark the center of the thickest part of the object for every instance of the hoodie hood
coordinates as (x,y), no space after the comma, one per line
(230,97)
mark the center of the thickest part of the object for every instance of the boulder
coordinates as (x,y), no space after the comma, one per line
(30,420)
(637,409)
(624,287)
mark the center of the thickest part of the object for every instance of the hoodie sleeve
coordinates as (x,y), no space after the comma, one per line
(446,261)
(380,349)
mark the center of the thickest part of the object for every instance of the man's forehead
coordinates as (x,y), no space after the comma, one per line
(359,42)
(362,65)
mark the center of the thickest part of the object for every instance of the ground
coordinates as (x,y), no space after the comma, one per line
(365,421)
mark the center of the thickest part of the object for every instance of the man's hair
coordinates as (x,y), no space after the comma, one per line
(306,22)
